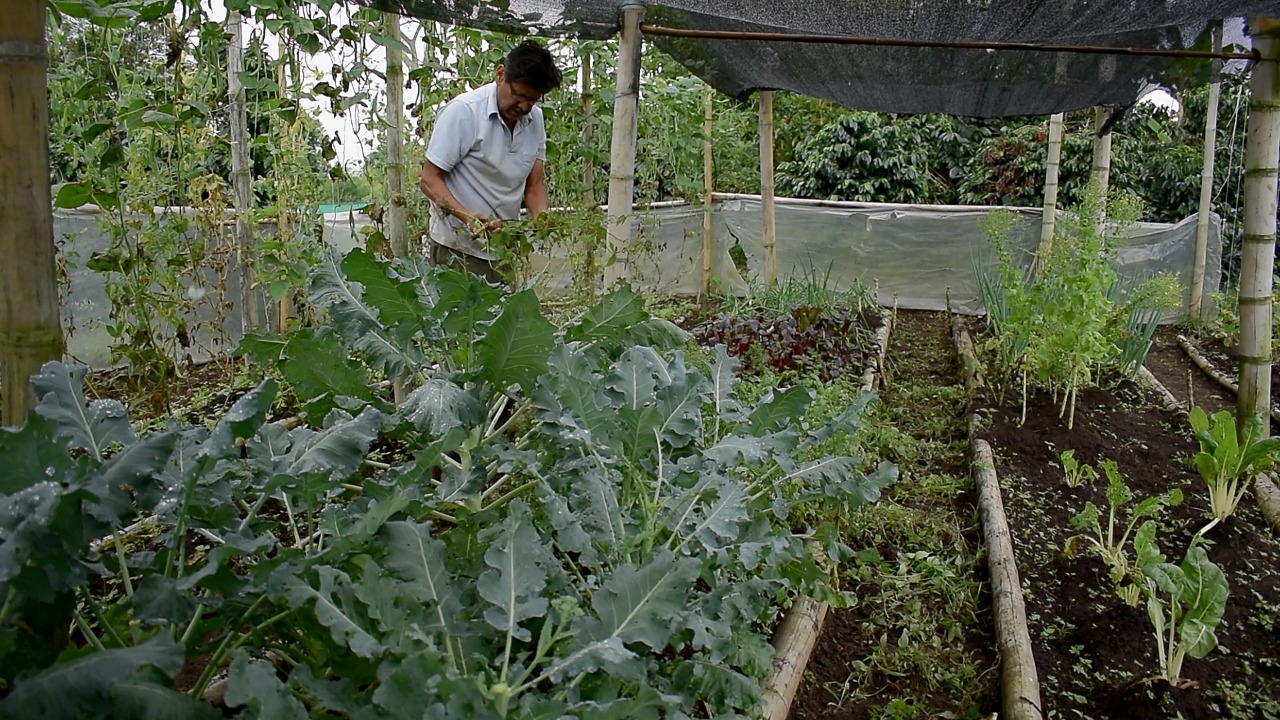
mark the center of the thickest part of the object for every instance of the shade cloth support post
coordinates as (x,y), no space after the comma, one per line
(768,214)
(1206,181)
(708,182)
(622,153)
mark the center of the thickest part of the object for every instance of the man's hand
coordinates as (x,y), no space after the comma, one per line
(482,225)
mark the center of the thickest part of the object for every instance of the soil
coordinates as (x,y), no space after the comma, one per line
(920,352)
(1096,655)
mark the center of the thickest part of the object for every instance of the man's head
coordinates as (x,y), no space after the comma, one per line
(527,73)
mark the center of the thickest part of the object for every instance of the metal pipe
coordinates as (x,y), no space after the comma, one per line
(659,30)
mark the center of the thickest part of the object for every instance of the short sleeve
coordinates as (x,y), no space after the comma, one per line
(452,136)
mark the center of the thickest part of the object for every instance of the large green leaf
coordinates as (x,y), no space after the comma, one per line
(439,405)
(396,303)
(321,370)
(514,350)
(356,321)
(83,687)
(609,320)
(31,455)
(145,701)
(464,304)
(777,411)
(1204,599)
(141,467)
(680,403)
(516,576)
(641,605)
(241,421)
(337,608)
(711,513)
(85,425)
(338,449)
(418,560)
(255,685)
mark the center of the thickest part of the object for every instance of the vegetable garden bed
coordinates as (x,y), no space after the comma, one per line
(1096,655)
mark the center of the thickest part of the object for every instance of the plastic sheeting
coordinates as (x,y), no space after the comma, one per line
(959,81)
(915,256)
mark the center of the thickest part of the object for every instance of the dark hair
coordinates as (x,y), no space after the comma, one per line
(531,63)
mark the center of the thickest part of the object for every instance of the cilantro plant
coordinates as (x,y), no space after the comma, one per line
(582,522)
(1185,603)
(1066,322)
(1227,456)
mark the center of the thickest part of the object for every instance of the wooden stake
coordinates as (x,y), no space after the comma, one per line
(1206,182)
(396,231)
(622,156)
(708,182)
(588,131)
(1258,246)
(241,173)
(30,331)
(766,188)
(1050,189)
(1101,175)
(282,207)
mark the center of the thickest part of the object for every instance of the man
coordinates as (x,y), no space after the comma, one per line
(485,155)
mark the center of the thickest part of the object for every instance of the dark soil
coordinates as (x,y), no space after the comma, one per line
(1095,655)
(920,353)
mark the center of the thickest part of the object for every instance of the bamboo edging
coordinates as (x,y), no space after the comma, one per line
(1204,364)
(797,634)
(1019,684)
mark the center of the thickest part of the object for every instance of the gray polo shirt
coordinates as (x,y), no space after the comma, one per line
(486,165)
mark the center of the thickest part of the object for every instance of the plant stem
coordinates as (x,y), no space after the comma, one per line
(102,619)
(377,465)
(191,626)
(223,648)
(124,564)
(88,633)
(8,604)
(508,496)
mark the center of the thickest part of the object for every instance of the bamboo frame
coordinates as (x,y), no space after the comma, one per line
(659,30)
(622,155)
(768,214)
(1100,177)
(1257,254)
(1206,181)
(30,330)
(587,110)
(708,182)
(397,233)
(241,171)
(1052,164)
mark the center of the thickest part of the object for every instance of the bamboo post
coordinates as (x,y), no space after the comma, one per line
(287,131)
(769,225)
(587,110)
(1206,181)
(30,330)
(1258,247)
(708,182)
(1050,188)
(241,171)
(622,156)
(397,233)
(1100,178)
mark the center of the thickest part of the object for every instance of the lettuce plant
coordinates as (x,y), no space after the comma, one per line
(1228,457)
(1185,602)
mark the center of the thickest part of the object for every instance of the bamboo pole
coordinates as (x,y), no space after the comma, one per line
(397,233)
(1100,178)
(1206,181)
(622,156)
(30,330)
(1050,189)
(287,132)
(241,171)
(708,182)
(1258,246)
(587,110)
(769,215)
(396,230)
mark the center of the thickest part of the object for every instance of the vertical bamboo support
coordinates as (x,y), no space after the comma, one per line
(241,172)
(1100,178)
(1050,188)
(283,60)
(769,224)
(708,182)
(396,231)
(1258,250)
(30,331)
(587,111)
(1206,181)
(622,156)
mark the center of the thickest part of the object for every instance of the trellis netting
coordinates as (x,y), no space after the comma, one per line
(965,81)
(914,256)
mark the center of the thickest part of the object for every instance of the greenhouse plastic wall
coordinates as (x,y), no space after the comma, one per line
(914,256)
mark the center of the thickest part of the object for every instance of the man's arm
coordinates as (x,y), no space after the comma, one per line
(535,191)
(432,184)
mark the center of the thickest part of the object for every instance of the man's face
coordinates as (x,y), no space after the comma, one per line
(515,99)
